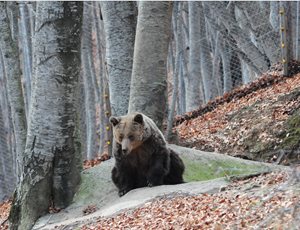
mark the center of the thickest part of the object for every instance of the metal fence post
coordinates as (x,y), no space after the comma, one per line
(298,32)
(283,38)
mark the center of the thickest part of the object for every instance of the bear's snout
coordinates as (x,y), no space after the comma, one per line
(124,151)
(125,146)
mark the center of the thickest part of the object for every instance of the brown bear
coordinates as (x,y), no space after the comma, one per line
(142,157)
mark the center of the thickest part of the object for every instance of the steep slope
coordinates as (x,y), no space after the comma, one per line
(259,121)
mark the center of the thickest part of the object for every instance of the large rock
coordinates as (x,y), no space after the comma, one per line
(97,188)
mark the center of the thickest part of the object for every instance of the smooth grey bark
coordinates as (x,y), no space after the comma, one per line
(148,93)
(259,59)
(120,25)
(99,54)
(245,73)
(7,120)
(10,55)
(194,94)
(206,60)
(227,74)
(7,156)
(178,50)
(7,175)
(216,75)
(52,158)
(25,42)
(181,89)
(87,65)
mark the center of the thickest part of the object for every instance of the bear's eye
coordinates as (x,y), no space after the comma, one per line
(131,137)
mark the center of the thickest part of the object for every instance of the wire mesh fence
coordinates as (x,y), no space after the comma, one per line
(237,42)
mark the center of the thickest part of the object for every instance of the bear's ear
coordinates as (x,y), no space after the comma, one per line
(138,118)
(114,120)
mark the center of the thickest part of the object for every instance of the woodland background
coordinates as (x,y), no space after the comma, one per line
(65,67)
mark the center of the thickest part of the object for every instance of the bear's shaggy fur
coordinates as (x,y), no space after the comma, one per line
(141,154)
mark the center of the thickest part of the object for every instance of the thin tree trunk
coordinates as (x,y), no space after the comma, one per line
(120,24)
(216,76)
(148,92)
(7,177)
(13,77)
(25,41)
(181,89)
(209,83)
(227,75)
(100,50)
(178,38)
(7,120)
(194,94)
(52,156)
(86,58)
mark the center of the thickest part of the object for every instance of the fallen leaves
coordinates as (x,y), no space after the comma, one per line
(91,163)
(264,206)
(89,209)
(4,213)
(250,124)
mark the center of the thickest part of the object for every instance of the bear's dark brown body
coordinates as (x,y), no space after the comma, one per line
(142,156)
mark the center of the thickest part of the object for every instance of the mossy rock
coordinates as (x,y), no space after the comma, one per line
(201,165)
(96,183)
(292,135)
(196,171)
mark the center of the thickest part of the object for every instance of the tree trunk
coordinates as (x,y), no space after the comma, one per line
(12,71)
(206,60)
(25,41)
(148,92)
(227,75)
(86,58)
(7,175)
(178,41)
(100,54)
(194,94)
(52,156)
(11,165)
(120,24)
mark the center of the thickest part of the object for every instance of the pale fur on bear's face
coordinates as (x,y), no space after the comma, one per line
(128,131)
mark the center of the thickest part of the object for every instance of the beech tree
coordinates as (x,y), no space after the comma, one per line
(11,65)
(52,160)
(88,76)
(194,94)
(120,24)
(149,73)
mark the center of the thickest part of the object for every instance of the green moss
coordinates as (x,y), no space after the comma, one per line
(292,138)
(197,171)
(89,189)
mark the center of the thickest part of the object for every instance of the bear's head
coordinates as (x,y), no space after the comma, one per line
(128,131)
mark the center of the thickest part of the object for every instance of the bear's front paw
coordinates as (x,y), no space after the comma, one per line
(149,184)
(122,192)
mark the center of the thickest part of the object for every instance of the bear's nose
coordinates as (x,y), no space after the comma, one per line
(124,151)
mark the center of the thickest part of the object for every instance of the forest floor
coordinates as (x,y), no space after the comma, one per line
(269,201)
(261,124)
